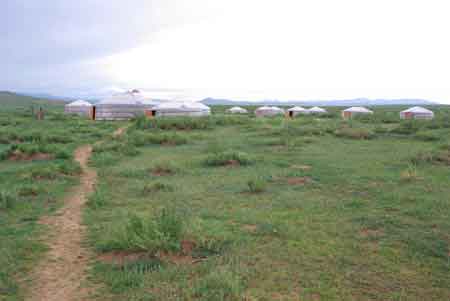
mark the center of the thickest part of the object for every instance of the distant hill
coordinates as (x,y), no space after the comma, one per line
(348,102)
(10,100)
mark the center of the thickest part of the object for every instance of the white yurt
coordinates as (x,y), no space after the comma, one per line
(268,111)
(79,107)
(182,109)
(121,106)
(355,111)
(417,113)
(237,110)
(296,111)
(317,110)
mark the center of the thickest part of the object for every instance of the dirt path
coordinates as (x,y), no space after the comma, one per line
(60,274)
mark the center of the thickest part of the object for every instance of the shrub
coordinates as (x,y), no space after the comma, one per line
(150,234)
(7,199)
(164,168)
(158,186)
(228,158)
(173,123)
(142,139)
(256,185)
(97,199)
(427,136)
(219,285)
(354,133)
(117,147)
(407,127)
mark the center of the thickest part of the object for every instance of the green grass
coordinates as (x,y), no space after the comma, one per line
(308,214)
(243,208)
(30,189)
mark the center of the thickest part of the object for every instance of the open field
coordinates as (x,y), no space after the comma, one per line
(239,208)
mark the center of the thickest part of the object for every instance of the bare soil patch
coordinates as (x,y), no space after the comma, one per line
(299,180)
(61,274)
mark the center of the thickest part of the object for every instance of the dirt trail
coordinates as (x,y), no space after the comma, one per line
(60,274)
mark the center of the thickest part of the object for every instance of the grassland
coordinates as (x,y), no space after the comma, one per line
(274,209)
(36,171)
(240,208)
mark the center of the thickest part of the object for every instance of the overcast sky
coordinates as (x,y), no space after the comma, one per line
(284,49)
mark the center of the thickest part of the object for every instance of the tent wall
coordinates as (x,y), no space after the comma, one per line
(181,113)
(78,110)
(117,111)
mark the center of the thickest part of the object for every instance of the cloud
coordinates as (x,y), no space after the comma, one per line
(254,48)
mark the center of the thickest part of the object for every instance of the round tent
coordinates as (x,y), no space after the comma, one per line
(317,110)
(355,111)
(417,113)
(237,110)
(268,111)
(296,111)
(120,106)
(79,107)
(182,109)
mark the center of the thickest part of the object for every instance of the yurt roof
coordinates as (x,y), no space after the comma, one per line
(418,110)
(182,106)
(237,108)
(266,108)
(317,109)
(80,103)
(148,102)
(127,98)
(358,110)
(297,109)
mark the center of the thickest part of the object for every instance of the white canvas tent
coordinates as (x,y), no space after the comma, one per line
(268,111)
(417,113)
(237,110)
(296,111)
(355,111)
(182,109)
(121,106)
(79,107)
(317,110)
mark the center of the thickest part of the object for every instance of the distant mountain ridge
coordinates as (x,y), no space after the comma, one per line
(11,99)
(311,103)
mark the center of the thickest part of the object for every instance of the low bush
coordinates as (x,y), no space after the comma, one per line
(228,158)
(97,199)
(118,147)
(150,234)
(256,185)
(427,136)
(407,127)
(354,133)
(219,285)
(142,139)
(173,123)
(440,155)
(7,200)
(156,187)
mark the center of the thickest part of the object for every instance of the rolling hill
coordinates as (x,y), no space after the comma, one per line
(10,100)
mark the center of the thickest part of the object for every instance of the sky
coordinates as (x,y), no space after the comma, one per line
(240,49)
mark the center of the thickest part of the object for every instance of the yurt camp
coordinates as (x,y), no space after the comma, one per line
(317,110)
(181,109)
(79,107)
(292,112)
(355,111)
(121,106)
(416,113)
(237,110)
(268,111)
